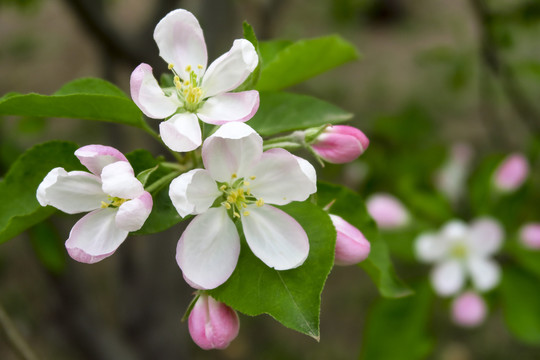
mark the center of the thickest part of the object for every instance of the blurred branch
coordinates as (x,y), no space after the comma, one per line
(15,339)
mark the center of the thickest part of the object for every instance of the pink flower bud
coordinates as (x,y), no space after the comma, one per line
(529,235)
(511,173)
(340,144)
(387,211)
(351,245)
(468,309)
(212,324)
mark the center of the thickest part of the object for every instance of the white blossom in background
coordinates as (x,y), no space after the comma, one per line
(239,182)
(199,92)
(460,252)
(452,177)
(116,200)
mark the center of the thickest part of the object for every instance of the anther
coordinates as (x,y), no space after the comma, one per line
(199,67)
(223,187)
(227,205)
(246,183)
(234,176)
(188,68)
(171,66)
(104,205)
(252,177)
(236,214)
(246,213)
(260,202)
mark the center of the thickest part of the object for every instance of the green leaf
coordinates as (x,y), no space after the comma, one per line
(19,208)
(293,297)
(253,78)
(521,304)
(403,322)
(280,112)
(350,206)
(89,99)
(270,49)
(305,59)
(48,246)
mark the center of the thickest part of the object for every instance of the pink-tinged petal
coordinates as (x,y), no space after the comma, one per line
(73,192)
(485,273)
(280,179)
(529,235)
(148,95)
(512,172)
(208,250)
(486,236)
(212,324)
(96,157)
(231,69)
(132,214)
(340,144)
(181,133)
(430,248)
(193,192)
(231,150)
(448,277)
(180,40)
(275,237)
(352,246)
(95,236)
(387,211)
(223,108)
(119,181)
(468,309)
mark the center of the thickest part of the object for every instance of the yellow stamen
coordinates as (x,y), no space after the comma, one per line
(223,187)
(171,66)
(104,205)
(186,82)
(252,177)
(259,202)
(246,213)
(199,67)
(234,176)
(236,214)
(188,68)
(227,206)
(246,183)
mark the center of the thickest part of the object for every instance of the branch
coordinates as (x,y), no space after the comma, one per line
(15,339)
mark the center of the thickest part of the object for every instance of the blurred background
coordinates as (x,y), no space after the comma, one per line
(433,73)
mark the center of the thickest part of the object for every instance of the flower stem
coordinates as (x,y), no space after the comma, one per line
(289,145)
(156,185)
(14,338)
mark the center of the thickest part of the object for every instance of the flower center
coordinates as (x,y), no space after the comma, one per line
(188,90)
(237,195)
(114,202)
(459,251)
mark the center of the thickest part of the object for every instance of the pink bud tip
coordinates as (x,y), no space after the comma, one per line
(387,211)
(340,144)
(351,245)
(212,324)
(529,235)
(468,309)
(511,173)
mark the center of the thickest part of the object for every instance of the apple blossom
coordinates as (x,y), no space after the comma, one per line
(199,93)
(460,251)
(238,184)
(468,309)
(340,144)
(116,200)
(351,245)
(511,173)
(387,211)
(212,324)
(451,178)
(529,235)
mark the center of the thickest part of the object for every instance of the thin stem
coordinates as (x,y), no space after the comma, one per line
(285,145)
(15,339)
(164,180)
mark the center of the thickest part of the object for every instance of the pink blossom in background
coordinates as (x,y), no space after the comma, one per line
(387,211)
(529,235)
(340,144)
(351,245)
(468,309)
(212,324)
(511,173)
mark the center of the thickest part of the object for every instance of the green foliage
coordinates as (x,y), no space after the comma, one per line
(87,98)
(19,208)
(303,60)
(293,297)
(48,246)
(350,206)
(281,111)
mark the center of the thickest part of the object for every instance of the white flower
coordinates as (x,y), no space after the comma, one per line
(116,200)
(459,251)
(199,92)
(240,181)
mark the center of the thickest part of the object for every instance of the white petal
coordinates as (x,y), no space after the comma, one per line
(95,236)
(149,96)
(485,273)
(275,237)
(193,192)
(220,109)
(73,192)
(430,248)
(96,157)
(455,230)
(279,178)
(486,236)
(448,277)
(181,42)
(308,170)
(231,150)
(119,181)
(208,250)
(132,214)
(231,69)
(181,132)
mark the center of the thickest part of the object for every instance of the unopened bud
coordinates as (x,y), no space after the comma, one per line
(511,173)
(212,324)
(387,211)
(529,235)
(468,309)
(351,245)
(340,144)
